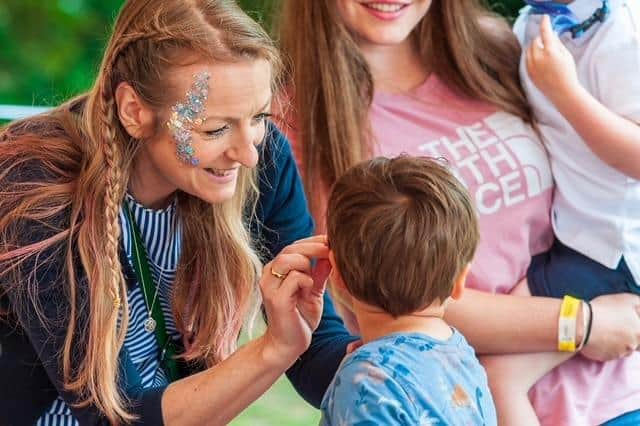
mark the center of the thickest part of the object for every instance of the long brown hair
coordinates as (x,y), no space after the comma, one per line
(83,155)
(470,49)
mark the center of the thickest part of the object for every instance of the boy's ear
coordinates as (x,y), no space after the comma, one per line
(340,292)
(336,278)
(460,282)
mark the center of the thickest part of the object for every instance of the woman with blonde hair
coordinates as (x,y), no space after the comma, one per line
(440,78)
(134,220)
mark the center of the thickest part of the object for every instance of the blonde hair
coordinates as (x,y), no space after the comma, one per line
(470,49)
(84,168)
(401,230)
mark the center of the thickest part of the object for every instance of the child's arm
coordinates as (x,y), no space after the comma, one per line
(614,139)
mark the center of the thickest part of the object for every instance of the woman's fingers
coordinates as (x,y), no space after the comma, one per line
(292,292)
(294,282)
(290,330)
(321,238)
(296,257)
(292,304)
(288,262)
(278,270)
(320,274)
(313,248)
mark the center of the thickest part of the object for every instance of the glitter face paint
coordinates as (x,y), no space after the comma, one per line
(188,115)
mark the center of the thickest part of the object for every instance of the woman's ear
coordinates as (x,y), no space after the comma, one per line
(461,280)
(134,115)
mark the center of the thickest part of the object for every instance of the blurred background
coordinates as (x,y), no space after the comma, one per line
(50,51)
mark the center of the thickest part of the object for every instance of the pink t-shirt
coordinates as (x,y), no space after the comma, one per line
(495,155)
(506,170)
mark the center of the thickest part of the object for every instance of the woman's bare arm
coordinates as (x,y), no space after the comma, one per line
(495,324)
(293,305)
(500,323)
(217,395)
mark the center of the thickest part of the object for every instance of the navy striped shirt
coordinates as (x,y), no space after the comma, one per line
(161,235)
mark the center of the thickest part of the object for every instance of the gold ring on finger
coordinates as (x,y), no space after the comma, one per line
(277,274)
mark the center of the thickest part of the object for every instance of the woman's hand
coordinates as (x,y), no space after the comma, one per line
(293,300)
(615,329)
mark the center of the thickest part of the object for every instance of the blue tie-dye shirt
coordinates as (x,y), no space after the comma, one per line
(410,379)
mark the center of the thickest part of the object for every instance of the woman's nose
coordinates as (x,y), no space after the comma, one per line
(243,146)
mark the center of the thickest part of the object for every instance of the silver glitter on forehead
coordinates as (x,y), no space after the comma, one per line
(187,115)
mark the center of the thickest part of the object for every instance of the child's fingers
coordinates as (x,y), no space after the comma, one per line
(546,32)
(529,56)
(533,54)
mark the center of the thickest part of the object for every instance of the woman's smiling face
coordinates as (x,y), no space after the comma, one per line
(382,22)
(211,131)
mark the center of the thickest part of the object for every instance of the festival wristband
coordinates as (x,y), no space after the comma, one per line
(567,324)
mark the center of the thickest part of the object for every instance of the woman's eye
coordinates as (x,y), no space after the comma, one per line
(213,134)
(261,117)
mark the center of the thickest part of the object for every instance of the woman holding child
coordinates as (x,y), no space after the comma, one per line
(440,78)
(132,219)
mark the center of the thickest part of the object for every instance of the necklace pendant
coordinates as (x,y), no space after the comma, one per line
(149,325)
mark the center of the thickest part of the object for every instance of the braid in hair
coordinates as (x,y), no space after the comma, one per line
(114,191)
(116,176)
(110,306)
(108,138)
(110,302)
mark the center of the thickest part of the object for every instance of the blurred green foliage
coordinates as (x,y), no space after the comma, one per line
(508,8)
(52,49)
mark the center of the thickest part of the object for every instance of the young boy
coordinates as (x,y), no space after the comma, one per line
(402,233)
(581,72)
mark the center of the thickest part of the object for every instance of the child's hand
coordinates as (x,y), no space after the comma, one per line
(549,64)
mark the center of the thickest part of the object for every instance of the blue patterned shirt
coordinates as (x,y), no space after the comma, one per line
(410,379)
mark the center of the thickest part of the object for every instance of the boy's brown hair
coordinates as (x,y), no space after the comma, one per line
(401,231)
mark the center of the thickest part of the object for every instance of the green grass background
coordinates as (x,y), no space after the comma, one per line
(280,406)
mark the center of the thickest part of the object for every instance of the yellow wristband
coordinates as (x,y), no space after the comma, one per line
(567,324)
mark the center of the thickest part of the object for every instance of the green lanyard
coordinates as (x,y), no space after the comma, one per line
(141,266)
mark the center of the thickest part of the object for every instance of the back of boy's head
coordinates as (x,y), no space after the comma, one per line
(401,231)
